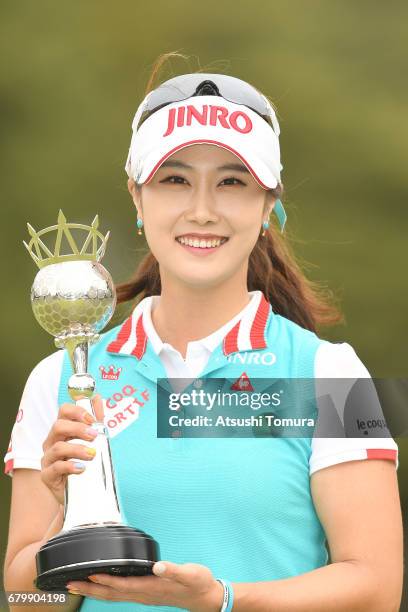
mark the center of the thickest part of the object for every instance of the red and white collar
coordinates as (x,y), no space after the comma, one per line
(248,333)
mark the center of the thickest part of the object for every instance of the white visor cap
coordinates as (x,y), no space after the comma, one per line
(205,120)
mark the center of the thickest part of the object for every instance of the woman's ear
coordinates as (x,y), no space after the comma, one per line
(269,203)
(136,193)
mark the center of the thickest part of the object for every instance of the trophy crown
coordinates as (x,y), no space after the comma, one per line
(93,247)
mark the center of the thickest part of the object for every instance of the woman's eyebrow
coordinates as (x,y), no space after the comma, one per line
(234,167)
(174,163)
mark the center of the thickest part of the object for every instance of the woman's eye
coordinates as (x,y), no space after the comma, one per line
(173,179)
(229,181)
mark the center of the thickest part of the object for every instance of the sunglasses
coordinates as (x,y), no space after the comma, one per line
(199,84)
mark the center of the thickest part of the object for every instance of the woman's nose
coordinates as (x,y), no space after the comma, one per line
(202,206)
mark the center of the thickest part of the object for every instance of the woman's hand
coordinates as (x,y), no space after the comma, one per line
(72,422)
(190,586)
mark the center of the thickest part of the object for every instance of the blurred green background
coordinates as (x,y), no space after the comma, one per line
(72,76)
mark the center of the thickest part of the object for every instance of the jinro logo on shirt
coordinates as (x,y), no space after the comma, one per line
(122,408)
(252,358)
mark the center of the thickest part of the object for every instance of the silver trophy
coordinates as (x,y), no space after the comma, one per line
(73,298)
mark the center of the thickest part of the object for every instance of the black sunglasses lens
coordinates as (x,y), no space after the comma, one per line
(185,86)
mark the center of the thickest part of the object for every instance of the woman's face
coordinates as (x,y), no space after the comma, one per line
(205,196)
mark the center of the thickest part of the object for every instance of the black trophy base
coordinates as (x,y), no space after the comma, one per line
(113,549)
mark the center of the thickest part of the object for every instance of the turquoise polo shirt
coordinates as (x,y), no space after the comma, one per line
(240,506)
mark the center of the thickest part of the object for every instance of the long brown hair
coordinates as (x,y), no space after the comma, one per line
(272,267)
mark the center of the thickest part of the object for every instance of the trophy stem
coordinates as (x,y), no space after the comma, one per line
(79,358)
(91,497)
(81,384)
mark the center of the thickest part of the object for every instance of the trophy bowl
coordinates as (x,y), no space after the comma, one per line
(73,296)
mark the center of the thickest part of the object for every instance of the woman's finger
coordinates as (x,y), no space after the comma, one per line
(74,412)
(187,574)
(63,430)
(57,470)
(98,408)
(67,450)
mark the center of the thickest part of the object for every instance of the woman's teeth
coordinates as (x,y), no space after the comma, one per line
(202,244)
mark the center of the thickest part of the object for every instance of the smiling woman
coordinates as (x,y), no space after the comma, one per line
(244,522)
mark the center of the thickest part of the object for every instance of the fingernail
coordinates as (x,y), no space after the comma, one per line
(88,418)
(79,466)
(90,451)
(74,592)
(91,431)
(93,578)
(159,568)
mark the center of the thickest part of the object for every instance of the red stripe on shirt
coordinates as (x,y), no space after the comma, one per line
(382,453)
(257,333)
(122,337)
(230,344)
(8,466)
(141,339)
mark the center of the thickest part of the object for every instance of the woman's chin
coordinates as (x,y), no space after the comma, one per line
(200,278)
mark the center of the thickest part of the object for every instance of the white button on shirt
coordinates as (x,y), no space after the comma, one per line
(198,351)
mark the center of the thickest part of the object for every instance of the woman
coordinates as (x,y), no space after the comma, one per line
(242,522)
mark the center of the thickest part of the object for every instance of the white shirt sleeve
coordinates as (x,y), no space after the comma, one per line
(37,412)
(339,360)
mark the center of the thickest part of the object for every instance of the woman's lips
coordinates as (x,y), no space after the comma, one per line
(202,251)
